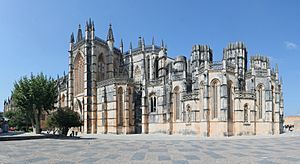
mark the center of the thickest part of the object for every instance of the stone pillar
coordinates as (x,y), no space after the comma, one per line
(70,81)
(87,90)
(94,89)
(151,67)
(126,112)
(145,112)
(206,114)
(224,94)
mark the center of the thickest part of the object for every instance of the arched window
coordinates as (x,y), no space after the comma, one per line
(153,103)
(246,113)
(79,74)
(137,74)
(177,103)
(215,96)
(148,67)
(156,67)
(101,68)
(120,107)
(259,96)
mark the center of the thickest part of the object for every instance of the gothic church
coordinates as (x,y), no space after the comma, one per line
(143,90)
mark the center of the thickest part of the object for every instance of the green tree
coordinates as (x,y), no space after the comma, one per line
(35,95)
(18,119)
(63,120)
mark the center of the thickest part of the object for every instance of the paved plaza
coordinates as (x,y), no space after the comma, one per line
(153,149)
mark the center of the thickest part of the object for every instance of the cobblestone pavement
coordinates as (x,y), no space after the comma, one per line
(153,149)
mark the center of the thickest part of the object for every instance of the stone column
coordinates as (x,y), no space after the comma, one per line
(224,94)
(70,81)
(145,112)
(94,89)
(87,90)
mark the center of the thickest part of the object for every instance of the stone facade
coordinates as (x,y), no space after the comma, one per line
(143,90)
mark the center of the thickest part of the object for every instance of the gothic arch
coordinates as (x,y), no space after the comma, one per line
(214,98)
(153,102)
(79,108)
(260,100)
(130,107)
(137,74)
(78,74)
(156,67)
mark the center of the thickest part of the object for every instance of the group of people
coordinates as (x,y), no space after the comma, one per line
(290,128)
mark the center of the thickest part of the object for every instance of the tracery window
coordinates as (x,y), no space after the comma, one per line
(153,103)
(137,73)
(214,98)
(79,74)
(156,67)
(259,101)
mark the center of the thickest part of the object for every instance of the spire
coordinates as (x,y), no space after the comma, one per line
(87,26)
(140,42)
(90,23)
(121,46)
(143,41)
(79,34)
(153,41)
(162,44)
(93,26)
(130,45)
(276,68)
(110,36)
(72,38)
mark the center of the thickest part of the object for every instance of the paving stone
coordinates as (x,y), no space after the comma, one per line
(191,157)
(213,154)
(138,156)
(38,159)
(180,162)
(89,160)
(291,159)
(163,157)
(112,156)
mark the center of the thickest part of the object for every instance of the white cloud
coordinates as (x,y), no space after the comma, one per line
(290,45)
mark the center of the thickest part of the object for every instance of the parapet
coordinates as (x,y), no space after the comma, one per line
(259,62)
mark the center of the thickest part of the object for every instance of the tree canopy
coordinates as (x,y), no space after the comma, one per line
(63,119)
(35,95)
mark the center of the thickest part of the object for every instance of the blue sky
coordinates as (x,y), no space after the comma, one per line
(34,35)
